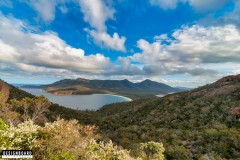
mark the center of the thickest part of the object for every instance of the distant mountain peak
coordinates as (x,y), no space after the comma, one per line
(147,80)
(82,79)
(125,80)
(147,88)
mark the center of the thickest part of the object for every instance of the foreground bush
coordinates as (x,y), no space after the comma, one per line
(152,150)
(68,140)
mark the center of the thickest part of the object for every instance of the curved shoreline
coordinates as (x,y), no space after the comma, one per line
(127,98)
(116,95)
(93,102)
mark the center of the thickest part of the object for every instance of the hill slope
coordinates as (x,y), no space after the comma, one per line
(4,91)
(10,92)
(23,126)
(197,124)
(144,89)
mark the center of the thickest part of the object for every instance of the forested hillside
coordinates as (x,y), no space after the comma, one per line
(203,123)
(197,124)
(26,123)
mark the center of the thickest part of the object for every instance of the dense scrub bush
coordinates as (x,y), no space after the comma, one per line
(68,140)
(152,150)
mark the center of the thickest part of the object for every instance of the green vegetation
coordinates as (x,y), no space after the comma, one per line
(200,124)
(196,128)
(197,124)
(24,125)
(15,93)
(66,140)
(15,111)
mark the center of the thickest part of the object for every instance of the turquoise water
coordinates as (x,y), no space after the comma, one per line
(81,102)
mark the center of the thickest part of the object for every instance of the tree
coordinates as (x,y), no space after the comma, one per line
(8,115)
(32,108)
(40,106)
(152,151)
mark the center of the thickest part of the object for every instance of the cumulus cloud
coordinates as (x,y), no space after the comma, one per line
(96,13)
(189,50)
(151,52)
(206,44)
(126,68)
(45,52)
(103,39)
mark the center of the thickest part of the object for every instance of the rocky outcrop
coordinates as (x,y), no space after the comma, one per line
(4,91)
(224,86)
(226,80)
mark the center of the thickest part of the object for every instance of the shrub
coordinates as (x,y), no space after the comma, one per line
(105,151)
(68,140)
(152,151)
(3,125)
(23,136)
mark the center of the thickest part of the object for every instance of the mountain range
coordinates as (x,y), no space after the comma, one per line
(144,89)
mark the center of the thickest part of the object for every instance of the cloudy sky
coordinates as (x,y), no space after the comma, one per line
(178,42)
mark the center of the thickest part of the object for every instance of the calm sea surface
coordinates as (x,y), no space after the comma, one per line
(82,102)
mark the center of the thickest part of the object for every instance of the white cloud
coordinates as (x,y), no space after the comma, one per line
(103,39)
(11,55)
(190,50)
(206,44)
(151,52)
(126,68)
(163,37)
(96,13)
(46,9)
(46,52)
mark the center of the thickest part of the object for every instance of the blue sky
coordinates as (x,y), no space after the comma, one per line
(178,42)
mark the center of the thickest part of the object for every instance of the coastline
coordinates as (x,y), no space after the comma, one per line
(80,101)
(93,93)
(70,94)
(116,95)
